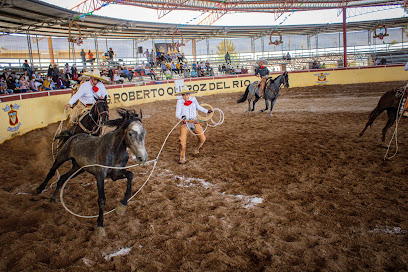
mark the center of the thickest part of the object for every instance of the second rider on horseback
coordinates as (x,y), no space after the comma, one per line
(262,72)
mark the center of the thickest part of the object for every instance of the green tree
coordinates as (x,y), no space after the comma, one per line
(226,46)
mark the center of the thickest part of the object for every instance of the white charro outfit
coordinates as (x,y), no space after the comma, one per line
(187,110)
(86,96)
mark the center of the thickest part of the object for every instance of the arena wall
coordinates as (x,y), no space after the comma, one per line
(21,113)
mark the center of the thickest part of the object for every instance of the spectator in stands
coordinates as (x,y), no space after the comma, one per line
(47,83)
(174,68)
(27,68)
(179,57)
(324,65)
(37,76)
(27,78)
(224,68)
(11,85)
(315,65)
(167,74)
(193,73)
(127,73)
(194,66)
(83,54)
(163,67)
(227,58)
(150,72)
(23,84)
(91,58)
(55,73)
(147,55)
(117,79)
(74,70)
(33,85)
(185,67)
(3,87)
(111,53)
(60,83)
(4,75)
(288,57)
(383,61)
(377,61)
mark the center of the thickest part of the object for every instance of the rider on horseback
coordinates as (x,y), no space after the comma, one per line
(86,95)
(262,72)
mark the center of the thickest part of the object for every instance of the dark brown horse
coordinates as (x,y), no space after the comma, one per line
(390,101)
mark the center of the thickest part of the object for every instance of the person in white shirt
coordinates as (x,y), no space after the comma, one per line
(87,94)
(186,111)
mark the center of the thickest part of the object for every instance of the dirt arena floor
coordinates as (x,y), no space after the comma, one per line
(298,191)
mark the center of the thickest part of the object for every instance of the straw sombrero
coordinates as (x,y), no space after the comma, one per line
(185,91)
(262,60)
(95,74)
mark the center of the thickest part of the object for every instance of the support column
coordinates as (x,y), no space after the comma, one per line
(96,52)
(38,52)
(207,42)
(344,39)
(50,49)
(262,46)
(30,51)
(194,43)
(253,47)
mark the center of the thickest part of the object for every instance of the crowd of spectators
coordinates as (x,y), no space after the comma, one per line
(168,65)
(32,81)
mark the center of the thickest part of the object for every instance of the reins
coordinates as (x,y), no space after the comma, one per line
(98,122)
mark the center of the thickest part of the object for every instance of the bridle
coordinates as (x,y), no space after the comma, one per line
(99,114)
(98,121)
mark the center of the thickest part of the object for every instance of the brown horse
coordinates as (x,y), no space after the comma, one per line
(389,101)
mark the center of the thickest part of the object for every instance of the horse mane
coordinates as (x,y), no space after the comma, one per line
(126,117)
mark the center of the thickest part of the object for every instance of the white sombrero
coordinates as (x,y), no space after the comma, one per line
(262,60)
(185,91)
(95,74)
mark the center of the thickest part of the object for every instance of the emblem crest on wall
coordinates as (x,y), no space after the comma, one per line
(322,77)
(13,117)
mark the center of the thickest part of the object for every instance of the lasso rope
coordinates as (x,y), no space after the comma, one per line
(59,129)
(395,133)
(114,167)
(209,118)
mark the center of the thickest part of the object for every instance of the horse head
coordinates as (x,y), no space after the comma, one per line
(100,111)
(134,132)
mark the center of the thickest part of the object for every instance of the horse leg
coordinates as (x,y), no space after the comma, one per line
(100,181)
(373,115)
(273,101)
(64,177)
(50,174)
(392,116)
(256,100)
(266,105)
(115,175)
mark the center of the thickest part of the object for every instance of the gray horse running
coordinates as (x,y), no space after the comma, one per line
(272,88)
(108,150)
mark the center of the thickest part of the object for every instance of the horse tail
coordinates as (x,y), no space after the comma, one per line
(244,96)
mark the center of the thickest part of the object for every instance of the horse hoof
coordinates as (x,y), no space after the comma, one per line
(120,209)
(38,191)
(100,231)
